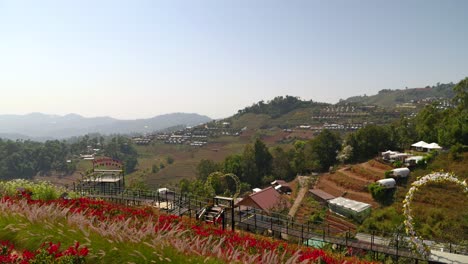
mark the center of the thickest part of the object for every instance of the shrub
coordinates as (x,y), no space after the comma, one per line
(455,152)
(397,164)
(377,191)
(388,174)
(38,190)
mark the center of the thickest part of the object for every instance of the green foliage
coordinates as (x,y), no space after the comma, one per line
(397,164)
(123,149)
(263,158)
(281,165)
(322,150)
(205,168)
(390,98)
(233,164)
(384,220)
(369,141)
(455,152)
(40,190)
(278,106)
(377,191)
(319,216)
(388,174)
(24,159)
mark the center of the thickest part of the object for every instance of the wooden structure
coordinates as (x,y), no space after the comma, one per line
(106,176)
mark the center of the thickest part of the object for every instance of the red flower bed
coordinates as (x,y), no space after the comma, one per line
(46,253)
(105,211)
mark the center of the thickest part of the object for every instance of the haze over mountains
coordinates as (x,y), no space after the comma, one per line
(40,126)
(37,126)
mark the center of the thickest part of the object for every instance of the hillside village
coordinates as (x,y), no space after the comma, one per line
(257,176)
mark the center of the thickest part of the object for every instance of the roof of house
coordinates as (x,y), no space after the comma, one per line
(265,199)
(321,194)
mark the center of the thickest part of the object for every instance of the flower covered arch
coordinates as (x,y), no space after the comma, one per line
(422,249)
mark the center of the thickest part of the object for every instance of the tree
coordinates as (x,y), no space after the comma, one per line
(461,95)
(263,158)
(233,164)
(205,168)
(123,149)
(249,168)
(281,165)
(321,151)
(298,162)
(428,123)
(369,140)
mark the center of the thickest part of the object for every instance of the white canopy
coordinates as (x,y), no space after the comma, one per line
(420,144)
(433,146)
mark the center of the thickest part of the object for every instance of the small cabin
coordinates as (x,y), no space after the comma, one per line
(387,183)
(400,172)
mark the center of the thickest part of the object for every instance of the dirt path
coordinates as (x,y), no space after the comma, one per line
(300,195)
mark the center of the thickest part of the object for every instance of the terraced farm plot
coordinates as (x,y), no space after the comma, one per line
(345,181)
(351,182)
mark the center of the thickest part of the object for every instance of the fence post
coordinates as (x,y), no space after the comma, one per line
(223,215)
(255,221)
(189,207)
(302,233)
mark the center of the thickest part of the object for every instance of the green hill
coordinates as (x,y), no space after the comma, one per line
(393,98)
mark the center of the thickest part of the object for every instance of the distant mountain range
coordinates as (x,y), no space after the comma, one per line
(39,126)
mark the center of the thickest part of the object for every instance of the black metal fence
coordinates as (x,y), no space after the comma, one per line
(280,226)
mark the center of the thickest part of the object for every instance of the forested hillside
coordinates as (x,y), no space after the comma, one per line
(391,98)
(25,159)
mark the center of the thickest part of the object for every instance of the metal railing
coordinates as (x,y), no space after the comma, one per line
(276,225)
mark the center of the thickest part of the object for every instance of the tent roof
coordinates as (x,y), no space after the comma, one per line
(419,144)
(433,146)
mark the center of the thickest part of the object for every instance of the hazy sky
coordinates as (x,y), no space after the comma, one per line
(137,59)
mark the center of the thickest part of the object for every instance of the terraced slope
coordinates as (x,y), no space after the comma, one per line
(351,181)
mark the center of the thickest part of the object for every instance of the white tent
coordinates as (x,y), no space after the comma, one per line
(432,146)
(414,160)
(420,144)
(401,172)
(387,183)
